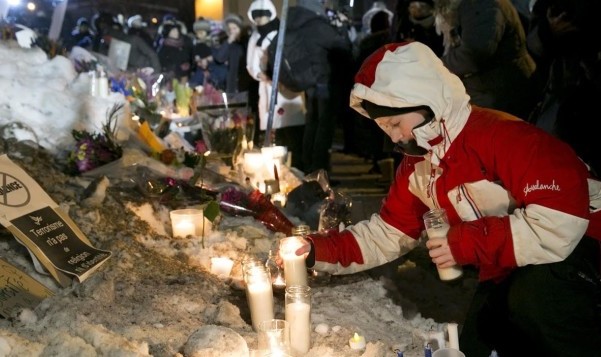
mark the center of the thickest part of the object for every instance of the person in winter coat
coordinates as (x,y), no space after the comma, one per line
(324,41)
(289,113)
(137,26)
(81,36)
(565,42)
(232,53)
(175,52)
(414,21)
(140,54)
(485,45)
(522,209)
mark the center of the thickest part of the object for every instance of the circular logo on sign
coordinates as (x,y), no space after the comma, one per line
(13,192)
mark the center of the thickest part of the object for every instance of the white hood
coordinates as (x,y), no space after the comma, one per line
(402,75)
(261,5)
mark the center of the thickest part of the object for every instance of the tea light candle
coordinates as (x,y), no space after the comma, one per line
(357,342)
(295,268)
(221,266)
(185,222)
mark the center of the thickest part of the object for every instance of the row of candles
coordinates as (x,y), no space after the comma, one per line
(293,334)
(289,336)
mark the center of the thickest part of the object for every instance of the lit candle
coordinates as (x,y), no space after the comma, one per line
(279,282)
(295,268)
(298,315)
(357,342)
(184,229)
(185,222)
(221,266)
(260,295)
(253,163)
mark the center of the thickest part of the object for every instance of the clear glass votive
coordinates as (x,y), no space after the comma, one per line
(187,222)
(274,336)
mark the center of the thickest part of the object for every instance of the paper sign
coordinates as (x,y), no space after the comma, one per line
(50,235)
(18,290)
(119,53)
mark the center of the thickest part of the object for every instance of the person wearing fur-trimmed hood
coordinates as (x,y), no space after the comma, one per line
(523,209)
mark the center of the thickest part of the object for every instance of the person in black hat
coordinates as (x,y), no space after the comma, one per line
(415,21)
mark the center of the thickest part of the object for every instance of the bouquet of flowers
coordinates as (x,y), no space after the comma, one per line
(92,150)
(237,202)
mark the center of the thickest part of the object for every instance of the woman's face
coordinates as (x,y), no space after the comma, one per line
(233,30)
(173,33)
(261,20)
(400,127)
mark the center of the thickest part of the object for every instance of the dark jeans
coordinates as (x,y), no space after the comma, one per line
(319,129)
(539,310)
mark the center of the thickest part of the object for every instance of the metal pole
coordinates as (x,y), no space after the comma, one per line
(58,17)
(276,72)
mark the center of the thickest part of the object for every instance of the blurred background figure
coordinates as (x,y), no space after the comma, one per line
(81,35)
(325,42)
(485,45)
(137,26)
(415,21)
(204,68)
(289,113)
(140,56)
(376,144)
(564,40)
(175,51)
(232,52)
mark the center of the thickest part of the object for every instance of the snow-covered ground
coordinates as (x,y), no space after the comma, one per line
(156,295)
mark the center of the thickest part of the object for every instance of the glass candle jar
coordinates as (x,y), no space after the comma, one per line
(298,315)
(259,294)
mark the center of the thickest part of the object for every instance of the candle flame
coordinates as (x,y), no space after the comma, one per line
(356,337)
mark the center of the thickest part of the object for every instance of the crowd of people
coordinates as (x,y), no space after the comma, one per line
(538,60)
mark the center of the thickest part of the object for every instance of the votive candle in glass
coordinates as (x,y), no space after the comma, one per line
(221,266)
(295,268)
(187,222)
(259,294)
(298,315)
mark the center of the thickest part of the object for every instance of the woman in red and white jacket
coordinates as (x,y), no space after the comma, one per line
(520,205)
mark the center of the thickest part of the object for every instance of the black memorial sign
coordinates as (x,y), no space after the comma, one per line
(59,243)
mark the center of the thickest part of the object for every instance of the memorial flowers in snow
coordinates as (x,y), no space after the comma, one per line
(238,201)
(92,150)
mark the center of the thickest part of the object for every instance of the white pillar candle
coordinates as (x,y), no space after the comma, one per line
(450,273)
(221,266)
(295,268)
(437,226)
(259,294)
(453,335)
(298,315)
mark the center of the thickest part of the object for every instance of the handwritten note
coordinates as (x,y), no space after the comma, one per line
(18,290)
